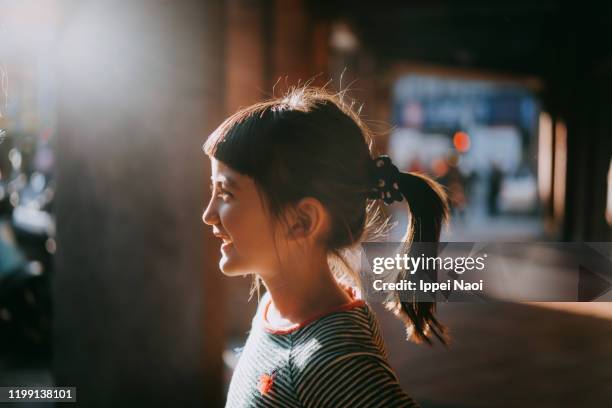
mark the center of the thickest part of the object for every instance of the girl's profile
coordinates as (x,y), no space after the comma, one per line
(295,187)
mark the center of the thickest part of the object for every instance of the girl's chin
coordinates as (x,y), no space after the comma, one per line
(232,264)
(229,266)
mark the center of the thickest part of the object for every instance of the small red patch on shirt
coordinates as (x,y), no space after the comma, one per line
(265,382)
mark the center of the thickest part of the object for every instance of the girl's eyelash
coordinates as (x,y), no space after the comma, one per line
(212,188)
(222,192)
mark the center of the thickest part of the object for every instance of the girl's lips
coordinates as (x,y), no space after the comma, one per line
(224,238)
(226,245)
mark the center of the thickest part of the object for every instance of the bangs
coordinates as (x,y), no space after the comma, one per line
(240,141)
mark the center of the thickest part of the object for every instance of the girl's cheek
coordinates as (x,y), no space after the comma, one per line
(225,219)
(229,214)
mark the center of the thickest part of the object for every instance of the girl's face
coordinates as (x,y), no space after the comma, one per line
(238,217)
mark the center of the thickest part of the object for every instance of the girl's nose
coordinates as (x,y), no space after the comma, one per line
(210,216)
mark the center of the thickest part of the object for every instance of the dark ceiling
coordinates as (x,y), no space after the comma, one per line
(527,38)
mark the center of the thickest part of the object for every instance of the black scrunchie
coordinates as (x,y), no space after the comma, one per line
(385,180)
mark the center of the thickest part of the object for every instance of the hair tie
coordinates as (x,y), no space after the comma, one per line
(385,180)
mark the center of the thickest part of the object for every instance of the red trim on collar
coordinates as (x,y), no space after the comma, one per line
(355,302)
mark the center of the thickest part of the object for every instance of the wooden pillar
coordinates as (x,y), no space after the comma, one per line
(245,53)
(293,49)
(137,289)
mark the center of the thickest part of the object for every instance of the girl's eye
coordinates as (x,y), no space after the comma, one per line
(220,192)
(224,194)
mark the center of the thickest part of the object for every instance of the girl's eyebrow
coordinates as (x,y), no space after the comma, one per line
(230,182)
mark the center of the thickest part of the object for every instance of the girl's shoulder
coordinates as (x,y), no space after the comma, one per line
(351,330)
(341,356)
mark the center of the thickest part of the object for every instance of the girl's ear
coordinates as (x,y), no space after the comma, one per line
(310,220)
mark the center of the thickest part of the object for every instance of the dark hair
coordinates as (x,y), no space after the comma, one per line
(311,143)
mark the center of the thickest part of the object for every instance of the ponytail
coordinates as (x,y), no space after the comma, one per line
(428,210)
(427,205)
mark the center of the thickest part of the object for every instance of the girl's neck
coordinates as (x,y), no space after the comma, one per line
(298,296)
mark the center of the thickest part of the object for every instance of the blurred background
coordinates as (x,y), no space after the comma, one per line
(109,280)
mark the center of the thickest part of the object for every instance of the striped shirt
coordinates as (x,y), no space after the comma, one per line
(337,359)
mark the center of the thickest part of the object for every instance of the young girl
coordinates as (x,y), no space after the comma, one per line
(294,187)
